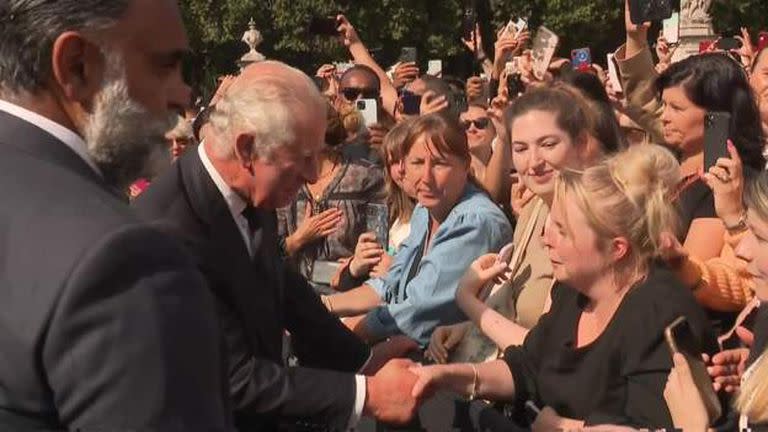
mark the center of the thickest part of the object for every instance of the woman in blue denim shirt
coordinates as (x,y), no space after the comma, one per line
(454,223)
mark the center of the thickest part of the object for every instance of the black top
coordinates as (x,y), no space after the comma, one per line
(695,202)
(619,378)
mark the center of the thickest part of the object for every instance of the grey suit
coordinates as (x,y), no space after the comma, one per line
(105,324)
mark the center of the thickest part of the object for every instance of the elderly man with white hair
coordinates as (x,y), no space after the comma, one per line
(264,138)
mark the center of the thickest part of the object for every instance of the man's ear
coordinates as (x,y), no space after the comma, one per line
(245,151)
(78,68)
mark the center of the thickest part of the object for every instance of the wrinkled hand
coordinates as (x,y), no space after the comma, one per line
(389,393)
(482,271)
(431,103)
(726,179)
(318,226)
(444,339)
(347,33)
(405,73)
(475,88)
(368,253)
(380,270)
(394,347)
(683,398)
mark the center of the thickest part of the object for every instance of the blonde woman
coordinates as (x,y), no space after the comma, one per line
(751,402)
(598,355)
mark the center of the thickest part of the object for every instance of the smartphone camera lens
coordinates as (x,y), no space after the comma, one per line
(361,105)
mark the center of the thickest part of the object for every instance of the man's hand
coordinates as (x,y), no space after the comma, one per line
(388,393)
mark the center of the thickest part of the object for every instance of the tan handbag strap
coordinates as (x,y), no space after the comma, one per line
(517,255)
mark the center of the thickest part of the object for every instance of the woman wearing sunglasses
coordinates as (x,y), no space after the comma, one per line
(480,135)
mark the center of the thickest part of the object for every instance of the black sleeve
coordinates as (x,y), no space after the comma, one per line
(134,342)
(261,388)
(523,360)
(319,338)
(347,281)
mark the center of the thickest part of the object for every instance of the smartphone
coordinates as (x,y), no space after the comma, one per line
(370,110)
(641,11)
(468,23)
(515,85)
(544,46)
(671,27)
(613,73)
(377,221)
(717,130)
(505,254)
(411,103)
(762,41)
(520,26)
(728,43)
(680,339)
(435,68)
(581,59)
(324,26)
(408,55)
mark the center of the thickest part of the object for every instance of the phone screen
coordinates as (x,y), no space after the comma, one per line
(324,26)
(411,103)
(408,55)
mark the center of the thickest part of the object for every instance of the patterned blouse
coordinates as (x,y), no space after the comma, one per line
(355,185)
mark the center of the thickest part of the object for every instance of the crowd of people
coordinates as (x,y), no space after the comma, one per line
(514,251)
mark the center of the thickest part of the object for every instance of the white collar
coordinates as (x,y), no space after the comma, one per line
(235,203)
(61,133)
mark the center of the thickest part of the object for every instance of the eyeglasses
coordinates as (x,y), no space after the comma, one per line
(480,123)
(352,93)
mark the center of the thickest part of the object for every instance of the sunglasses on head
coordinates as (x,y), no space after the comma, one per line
(480,123)
(352,93)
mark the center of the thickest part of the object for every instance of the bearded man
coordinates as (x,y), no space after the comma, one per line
(105,323)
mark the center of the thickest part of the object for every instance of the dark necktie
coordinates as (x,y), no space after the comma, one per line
(252,216)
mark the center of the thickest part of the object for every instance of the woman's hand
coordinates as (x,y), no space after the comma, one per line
(726,179)
(683,398)
(664,52)
(380,270)
(482,271)
(405,73)
(444,339)
(671,251)
(475,88)
(747,52)
(313,228)
(368,253)
(328,73)
(520,195)
(427,382)
(475,43)
(504,49)
(432,103)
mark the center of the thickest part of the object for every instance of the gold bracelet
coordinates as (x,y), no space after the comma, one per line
(475,378)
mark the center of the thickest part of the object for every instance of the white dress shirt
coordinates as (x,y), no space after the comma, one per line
(236,206)
(61,133)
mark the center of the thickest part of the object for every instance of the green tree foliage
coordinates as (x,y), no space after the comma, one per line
(433,26)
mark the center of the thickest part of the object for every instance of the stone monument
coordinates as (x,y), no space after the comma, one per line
(695,27)
(252,38)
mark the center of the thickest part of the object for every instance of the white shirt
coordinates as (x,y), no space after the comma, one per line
(236,206)
(61,133)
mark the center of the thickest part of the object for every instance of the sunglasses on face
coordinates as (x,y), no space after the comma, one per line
(480,123)
(352,93)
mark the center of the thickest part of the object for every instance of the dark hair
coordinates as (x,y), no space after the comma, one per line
(607,128)
(365,70)
(30,27)
(715,82)
(573,113)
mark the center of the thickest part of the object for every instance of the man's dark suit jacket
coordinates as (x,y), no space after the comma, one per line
(105,324)
(258,299)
